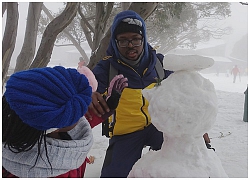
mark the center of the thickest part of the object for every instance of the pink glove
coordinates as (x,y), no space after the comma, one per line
(116,86)
(118,83)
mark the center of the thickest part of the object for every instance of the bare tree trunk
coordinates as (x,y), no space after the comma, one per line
(49,36)
(101,51)
(27,53)
(87,33)
(125,5)
(76,44)
(144,9)
(4,7)
(87,28)
(102,16)
(101,19)
(9,38)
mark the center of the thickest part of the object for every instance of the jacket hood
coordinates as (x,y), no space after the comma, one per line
(112,49)
(64,155)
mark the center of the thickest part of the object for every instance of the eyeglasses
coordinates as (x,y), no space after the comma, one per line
(124,43)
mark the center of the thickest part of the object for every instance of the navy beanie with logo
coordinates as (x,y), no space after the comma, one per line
(129,25)
(48,97)
(127,21)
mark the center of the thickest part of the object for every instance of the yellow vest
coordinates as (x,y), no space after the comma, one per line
(132,112)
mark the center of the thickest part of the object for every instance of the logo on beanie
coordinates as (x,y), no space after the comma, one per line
(129,25)
(133,21)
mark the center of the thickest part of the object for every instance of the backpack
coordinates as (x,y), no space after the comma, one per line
(108,127)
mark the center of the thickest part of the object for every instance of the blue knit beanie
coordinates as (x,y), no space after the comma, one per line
(47,97)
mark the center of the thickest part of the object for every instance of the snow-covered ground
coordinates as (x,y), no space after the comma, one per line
(229,135)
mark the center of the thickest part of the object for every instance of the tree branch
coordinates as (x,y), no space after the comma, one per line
(68,35)
(85,20)
(49,36)
(244,3)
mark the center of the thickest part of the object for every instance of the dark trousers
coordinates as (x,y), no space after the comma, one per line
(234,79)
(125,150)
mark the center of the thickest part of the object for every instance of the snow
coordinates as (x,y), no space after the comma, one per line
(228,134)
(186,62)
(220,58)
(184,108)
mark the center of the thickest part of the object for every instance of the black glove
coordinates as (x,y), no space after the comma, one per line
(116,86)
(209,146)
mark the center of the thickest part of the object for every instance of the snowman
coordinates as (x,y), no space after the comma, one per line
(183,107)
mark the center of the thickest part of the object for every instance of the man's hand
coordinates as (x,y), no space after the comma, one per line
(98,106)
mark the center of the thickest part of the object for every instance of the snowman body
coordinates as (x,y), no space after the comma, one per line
(183,107)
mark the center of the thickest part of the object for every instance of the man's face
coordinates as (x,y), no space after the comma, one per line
(128,50)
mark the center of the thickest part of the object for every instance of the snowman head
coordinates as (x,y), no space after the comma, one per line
(184,104)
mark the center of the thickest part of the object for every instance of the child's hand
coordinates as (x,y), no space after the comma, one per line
(118,83)
(100,104)
(91,159)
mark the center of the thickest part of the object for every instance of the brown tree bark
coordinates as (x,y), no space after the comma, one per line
(56,26)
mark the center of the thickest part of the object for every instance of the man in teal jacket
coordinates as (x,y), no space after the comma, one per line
(131,55)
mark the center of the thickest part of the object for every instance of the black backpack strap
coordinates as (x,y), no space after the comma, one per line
(159,69)
(106,126)
(112,72)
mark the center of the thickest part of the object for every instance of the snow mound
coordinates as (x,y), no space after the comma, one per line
(183,107)
(192,104)
(188,62)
